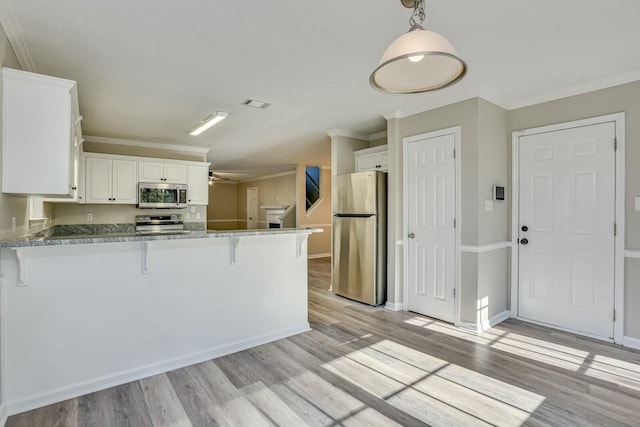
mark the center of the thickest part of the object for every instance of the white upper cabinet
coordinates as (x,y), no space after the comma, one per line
(162,171)
(40,134)
(372,159)
(198,185)
(111,181)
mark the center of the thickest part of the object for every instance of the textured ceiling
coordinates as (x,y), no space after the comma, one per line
(151,69)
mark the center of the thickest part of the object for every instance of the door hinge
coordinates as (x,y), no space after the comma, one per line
(454,292)
(615,144)
(615,229)
(614,314)
(454,153)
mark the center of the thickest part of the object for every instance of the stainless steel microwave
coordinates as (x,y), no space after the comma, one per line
(162,196)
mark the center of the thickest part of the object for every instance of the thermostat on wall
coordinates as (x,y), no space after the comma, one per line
(498,193)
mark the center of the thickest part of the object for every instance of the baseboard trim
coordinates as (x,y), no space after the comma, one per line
(631,342)
(57,395)
(319,256)
(3,414)
(493,321)
(393,306)
(478,328)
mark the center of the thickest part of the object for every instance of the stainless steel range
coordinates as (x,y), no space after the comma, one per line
(160,224)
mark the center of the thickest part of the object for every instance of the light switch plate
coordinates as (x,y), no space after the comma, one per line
(197,215)
(488,205)
(638,203)
(193,209)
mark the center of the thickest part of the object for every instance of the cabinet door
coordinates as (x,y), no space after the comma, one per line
(98,177)
(125,185)
(175,173)
(384,161)
(36,134)
(150,172)
(198,185)
(367,162)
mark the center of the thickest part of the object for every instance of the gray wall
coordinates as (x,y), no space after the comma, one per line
(623,98)
(484,162)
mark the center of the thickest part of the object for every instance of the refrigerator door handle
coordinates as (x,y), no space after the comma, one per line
(353,215)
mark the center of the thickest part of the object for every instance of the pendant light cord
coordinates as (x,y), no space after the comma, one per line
(418,16)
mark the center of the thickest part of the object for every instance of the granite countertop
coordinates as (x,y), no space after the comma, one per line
(77,239)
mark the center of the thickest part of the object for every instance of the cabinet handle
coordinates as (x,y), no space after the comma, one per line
(74,188)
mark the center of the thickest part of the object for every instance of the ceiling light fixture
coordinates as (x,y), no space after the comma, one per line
(418,61)
(211,120)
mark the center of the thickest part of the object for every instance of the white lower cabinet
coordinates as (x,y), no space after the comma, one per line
(198,185)
(110,181)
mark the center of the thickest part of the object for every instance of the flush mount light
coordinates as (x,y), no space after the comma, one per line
(418,61)
(211,120)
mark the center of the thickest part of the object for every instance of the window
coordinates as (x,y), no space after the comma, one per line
(312,183)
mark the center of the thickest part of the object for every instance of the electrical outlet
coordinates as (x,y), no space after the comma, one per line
(637,200)
(188,215)
(89,217)
(193,209)
(13,224)
(197,215)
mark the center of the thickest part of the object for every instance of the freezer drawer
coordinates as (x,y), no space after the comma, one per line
(355,268)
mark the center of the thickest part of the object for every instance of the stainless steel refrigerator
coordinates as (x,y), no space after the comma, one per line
(360,237)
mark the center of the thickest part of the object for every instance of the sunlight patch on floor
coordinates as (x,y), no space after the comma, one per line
(432,389)
(624,374)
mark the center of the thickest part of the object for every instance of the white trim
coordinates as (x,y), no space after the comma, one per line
(313,207)
(223,220)
(591,86)
(145,144)
(314,256)
(495,320)
(3,414)
(486,248)
(57,395)
(393,306)
(632,253)
(481,326)
(14,35)
(315,225)
(347,134)
(275,175)
(355,135)
(619,251)
(395,114)
(631,342)
(456,131)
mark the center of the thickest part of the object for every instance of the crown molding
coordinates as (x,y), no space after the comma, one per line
(145,144)
(395,114)
(355,135)
(591,86)
(275,175)
(347,134)
(14,35)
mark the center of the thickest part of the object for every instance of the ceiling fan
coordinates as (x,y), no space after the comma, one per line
(215,177)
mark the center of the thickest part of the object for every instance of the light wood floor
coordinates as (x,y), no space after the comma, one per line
(369,366)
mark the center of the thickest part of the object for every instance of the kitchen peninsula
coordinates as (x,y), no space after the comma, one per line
(80,314)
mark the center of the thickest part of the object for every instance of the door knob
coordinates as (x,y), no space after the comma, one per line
(524,241)
(412,235)
(525,228)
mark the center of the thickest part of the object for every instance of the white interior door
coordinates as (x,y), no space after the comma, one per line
(566,228)
(252,208)
(431,243)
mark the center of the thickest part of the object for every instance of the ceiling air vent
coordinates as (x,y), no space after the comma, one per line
(255,104)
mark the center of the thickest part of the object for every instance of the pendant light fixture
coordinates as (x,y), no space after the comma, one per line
(418,61)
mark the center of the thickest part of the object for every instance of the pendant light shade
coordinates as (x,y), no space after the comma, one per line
(418,61)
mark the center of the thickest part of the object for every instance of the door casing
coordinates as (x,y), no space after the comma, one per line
(619,120)
(405,215)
